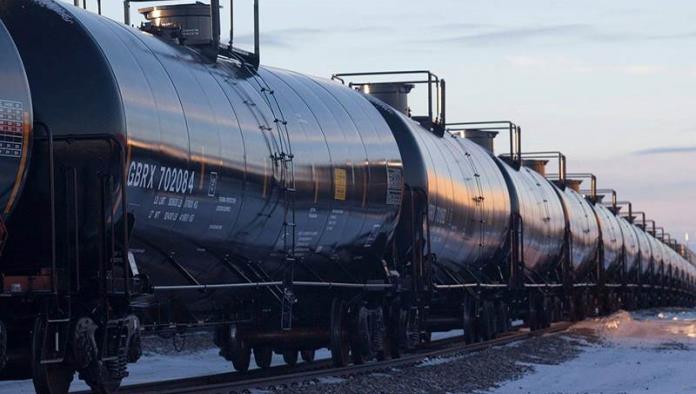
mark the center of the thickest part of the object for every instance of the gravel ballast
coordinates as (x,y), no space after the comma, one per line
(463,373)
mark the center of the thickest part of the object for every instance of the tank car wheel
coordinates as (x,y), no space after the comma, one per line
(386,343)
(242,358)
(233,348)
(532,320)
(486,321)
(386,352)
(361,339)
(502,317)
(395,337)
(103,377)
(579,309)
(556,310)
(547,311)
(263,356)
(468,324)
(426,336)
(340,347)
(596,308)
(308,355)
(48,378)
(290,357)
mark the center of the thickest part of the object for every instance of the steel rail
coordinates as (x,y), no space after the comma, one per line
(285,375)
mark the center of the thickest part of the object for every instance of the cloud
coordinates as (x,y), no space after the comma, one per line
(562,63)
(632,36)
(290,37)
(487,35)
(526,61)
(518,34)
(460,26)
(641,69)
(571,65)
(280,37)
(665,150)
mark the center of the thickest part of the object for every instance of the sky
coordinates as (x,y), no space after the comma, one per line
(611,84)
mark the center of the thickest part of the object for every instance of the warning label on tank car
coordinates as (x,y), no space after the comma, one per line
(394,184)
(340,184)
(11,128)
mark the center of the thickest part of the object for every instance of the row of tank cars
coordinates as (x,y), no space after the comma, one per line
(157,182)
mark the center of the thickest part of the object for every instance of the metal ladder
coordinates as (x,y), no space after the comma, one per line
(283,159)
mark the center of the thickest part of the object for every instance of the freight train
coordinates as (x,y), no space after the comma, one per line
(155,182)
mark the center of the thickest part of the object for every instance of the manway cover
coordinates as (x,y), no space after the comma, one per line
(15,122)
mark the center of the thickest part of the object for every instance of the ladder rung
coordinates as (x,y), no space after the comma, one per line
(57,320)
(52,361)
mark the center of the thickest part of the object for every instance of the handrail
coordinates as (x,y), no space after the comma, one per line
(439,96)
(514,131)
(613,196)
(593,182)
(76,3)
(642,214)
(552,155)
(654,226)
(616,204)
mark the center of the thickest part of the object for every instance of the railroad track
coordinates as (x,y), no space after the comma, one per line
(284,375)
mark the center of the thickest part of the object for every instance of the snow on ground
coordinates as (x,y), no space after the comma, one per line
(642,352)
(154,367)
(455,333)
(649,351)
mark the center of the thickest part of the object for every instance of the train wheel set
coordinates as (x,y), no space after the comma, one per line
(174,185)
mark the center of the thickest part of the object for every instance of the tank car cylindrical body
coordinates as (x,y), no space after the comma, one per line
(631,250)
(543,221)
(646,263)
(612,243)
(468,205)
(658,251)
(206,146)
(679,263)
(670,265)
(584,230)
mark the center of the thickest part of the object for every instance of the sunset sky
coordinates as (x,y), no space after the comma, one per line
(611,84)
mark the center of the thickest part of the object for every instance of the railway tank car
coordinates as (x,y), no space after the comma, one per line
(610,266)
(542,216)
(584,227)
(645,269)
(244,190)
(155,182)
(202,143)
(612,243)
(455,220)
